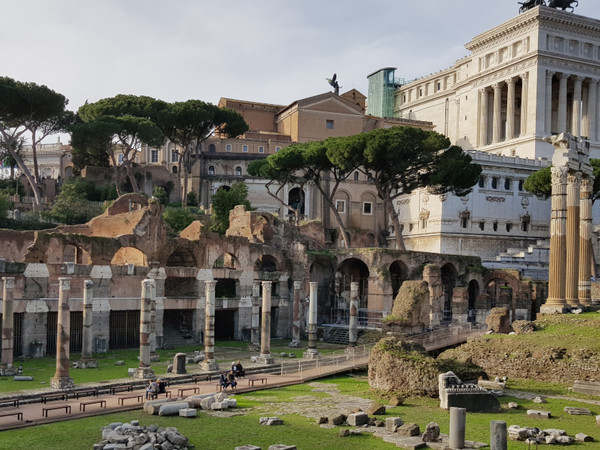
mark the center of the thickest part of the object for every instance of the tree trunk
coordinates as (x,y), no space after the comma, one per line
(34,187)
(389,206)
(336,214)
(36,170)
(117,172)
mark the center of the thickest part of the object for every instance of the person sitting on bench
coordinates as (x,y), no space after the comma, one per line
(231,380)
(151,390)
(238,370)
(223,381)
(160,387)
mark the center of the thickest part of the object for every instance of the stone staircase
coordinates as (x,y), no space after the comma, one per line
(531,261)
(336,335)
(174,336)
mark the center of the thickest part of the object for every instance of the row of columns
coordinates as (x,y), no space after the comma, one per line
(496,91)
(570,226)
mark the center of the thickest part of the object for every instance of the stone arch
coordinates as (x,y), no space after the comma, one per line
(212,148)
(503,289)
(354,270)
(226,261)
(449,276)
(76,254)
(129,255)
(330,309)
(181,257)
(295,196)
(266,263)
(398,274)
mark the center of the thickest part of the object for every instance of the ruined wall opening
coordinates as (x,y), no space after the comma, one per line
(449,276)
(178,327)
(129,255)
(75,335)
(296,200)
(473,293)
(225,288)
(180,287)
(266,263)
(17,334)
(328,309)
(124,329)
(75,254)
(225,324)
(182,257)
(226,261)
(349,271)
(398,274)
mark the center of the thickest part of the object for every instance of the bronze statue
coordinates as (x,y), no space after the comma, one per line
(333,82)
(530,4)
(563,4)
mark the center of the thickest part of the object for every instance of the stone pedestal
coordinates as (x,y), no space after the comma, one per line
(61,379)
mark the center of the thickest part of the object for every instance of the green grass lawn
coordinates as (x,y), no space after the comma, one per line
(211,432)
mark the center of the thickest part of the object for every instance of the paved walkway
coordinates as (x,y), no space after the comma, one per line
(34,412)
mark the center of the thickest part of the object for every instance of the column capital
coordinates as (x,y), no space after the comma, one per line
(64,283)
(559,175)
(314,285)
(511,81)
(550,73)
(524,76)
(266,284)
(9,282)
(210,285)
(297,285)
(563,75)
(496,86)
(88,284)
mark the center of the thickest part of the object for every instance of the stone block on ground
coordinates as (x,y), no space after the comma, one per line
(248,447)
(577,411)
(337,419)
(539,413)
(345,432)
(396,401)
(554,432)
(282,447)
(188,412)
(357,419)
(539,399)
(392,424)
(564,440)
(230,402)
(582,437)
(206,403)
(432,432)
(513,405)
(153,406)
(270,421)
(409,429)
(172,408)
(517,433)
(376,409)
(217,406)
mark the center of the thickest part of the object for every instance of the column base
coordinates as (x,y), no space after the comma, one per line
(554,309)
(311,353)
(8,372)
(209,365)
(86,364)
(62,383)
(144,373)
(154,357)
(265,359)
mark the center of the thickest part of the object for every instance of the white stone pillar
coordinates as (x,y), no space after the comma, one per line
(524,102)
(265,332)
(483,125)
(562,103)
(510,109)
(209,364)
(255,319)
(496,130)
(87,335)
(353,326)
(585,243)
(8,337)
(548,104)
(296,322)
(592,106)
(144,371)
(572,260)
(576,116)
(62,379)
(312,321)
(458,421)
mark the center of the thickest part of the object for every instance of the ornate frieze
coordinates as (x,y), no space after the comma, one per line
(495,199)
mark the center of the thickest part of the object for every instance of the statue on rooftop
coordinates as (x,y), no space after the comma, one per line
(528,4)
(563,4)
(333,82)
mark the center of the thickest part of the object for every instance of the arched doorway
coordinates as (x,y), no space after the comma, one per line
(449,276)
(398,274)
(349,271)
(296,200)
(473,293)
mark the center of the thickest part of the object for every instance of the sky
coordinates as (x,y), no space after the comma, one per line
(271,51)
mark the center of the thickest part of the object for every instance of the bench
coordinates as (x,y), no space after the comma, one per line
(198,378)
(82,405)
(92,391)
(253,379)
(45,410)
(57,396)
(121,388)
(182,390)
(139,398)
(19,414)
(14,403)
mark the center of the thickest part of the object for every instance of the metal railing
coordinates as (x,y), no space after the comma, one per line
(447,336)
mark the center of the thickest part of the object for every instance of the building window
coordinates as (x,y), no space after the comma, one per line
(238,171)
(521,185)
(355,176)
(463,222)
(495,226)
(367,208)
(245,148)
(211,170)
(212,148)
(329,124)
(174,156)
(277,149)
(507,184)
(439,86)
(481,181)
(410,227)
(508,226)
(261,149)
(423,223)
(154,156)
(494,182)
(340,205)
(482,226)
(525,223)
(227,147)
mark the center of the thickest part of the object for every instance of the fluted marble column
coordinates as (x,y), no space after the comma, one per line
(548,104)
(209,363)
(572,261)
(562,103)
(8,335)
(144,371)
(558,242)
(483,125)
(524,102)
(497,124)
(265,332)
(87,360)
(576,116)
(592,106)
(312,352)
(296,322)
(255,319)
(510,109)
(585,241)
(62,379)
